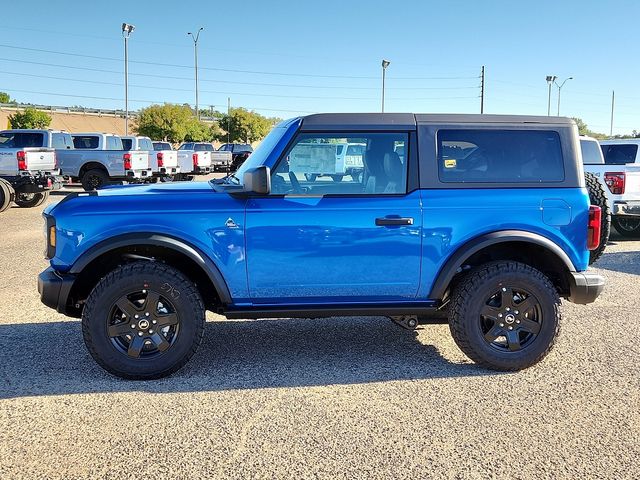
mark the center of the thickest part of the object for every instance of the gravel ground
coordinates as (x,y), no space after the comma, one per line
(332,398)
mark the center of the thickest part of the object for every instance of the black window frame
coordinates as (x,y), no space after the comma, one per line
(412,177)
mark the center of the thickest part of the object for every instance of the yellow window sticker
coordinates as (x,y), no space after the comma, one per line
(450,163)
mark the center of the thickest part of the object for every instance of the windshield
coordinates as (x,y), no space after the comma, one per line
(261,153)
(21,140)
(161,146)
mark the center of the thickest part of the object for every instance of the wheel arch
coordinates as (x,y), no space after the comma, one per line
(108,254)
(527,247)
(92,165)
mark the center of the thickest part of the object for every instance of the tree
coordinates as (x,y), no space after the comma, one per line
(244,126)
(173,123)
(5,98)
(30,118)
(584,130)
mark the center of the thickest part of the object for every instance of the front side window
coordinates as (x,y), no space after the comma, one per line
(145,144)
(344,164)
(619,154)
(499,156)
(115,143)
(591,153)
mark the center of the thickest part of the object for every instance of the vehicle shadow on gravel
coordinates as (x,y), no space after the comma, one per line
(51,359)
(625,262)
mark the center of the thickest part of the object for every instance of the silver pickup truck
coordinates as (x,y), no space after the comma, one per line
(100,159)
(28,168)
(204,157)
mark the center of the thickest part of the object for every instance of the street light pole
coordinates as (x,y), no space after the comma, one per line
(550,80)
(126,32)
(195,53)
(385,64)
(560,90)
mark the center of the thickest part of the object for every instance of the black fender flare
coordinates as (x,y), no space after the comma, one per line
(159,240)
(463,253)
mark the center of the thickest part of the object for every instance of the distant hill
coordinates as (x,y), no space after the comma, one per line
(77,122)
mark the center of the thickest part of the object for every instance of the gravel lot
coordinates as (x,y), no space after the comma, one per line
(332,398)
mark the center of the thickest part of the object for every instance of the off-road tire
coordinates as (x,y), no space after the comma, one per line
(151,276)
(627,231)
(93,179)
(598,197)
(25,200)
(337,178)
(7,194)
(470,295)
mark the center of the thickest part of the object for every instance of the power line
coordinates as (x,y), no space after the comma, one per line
(137,101)
(261,84)
(230,70)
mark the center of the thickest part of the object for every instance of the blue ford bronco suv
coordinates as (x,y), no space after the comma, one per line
(482,217)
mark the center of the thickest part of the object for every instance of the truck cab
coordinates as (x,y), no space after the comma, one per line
(484,217)
(102,160)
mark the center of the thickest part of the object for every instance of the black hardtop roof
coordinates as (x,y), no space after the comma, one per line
(397,121)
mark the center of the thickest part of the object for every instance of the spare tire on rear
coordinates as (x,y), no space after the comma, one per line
(598,197)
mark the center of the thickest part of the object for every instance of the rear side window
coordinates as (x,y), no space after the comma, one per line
(619,154)
(203,147)
(591,154)
(85,142)
(21,140)
(499,156)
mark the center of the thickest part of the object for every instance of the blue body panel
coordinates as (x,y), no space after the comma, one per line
(292,250)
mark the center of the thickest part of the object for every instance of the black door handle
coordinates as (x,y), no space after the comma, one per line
(386,221)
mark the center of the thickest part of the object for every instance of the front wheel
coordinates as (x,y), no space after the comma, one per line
(30,200)
(627,227)
(143,320)
(505,315)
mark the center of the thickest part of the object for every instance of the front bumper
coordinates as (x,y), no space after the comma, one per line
(627,209)
(54,289)
(585,287)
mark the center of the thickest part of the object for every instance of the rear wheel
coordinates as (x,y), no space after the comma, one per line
(505,315)
(94,179)
(143,320)
(337,178)
(311,177)
(30,200)
(598,197)
(627,227)
(7,194)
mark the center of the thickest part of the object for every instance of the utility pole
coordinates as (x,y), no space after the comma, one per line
(482,90)
(195,39)
(613,103)
(385,64)
(550,80)
(228,119)
(126,32)
(560,90)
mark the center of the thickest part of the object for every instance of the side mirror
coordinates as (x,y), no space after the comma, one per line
(258,180)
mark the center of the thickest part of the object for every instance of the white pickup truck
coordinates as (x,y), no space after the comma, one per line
(168,165)
(28,168)
(100,159)
(204,157)
(615,163)
(142,144)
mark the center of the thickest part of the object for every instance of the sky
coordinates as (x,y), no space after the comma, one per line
(288,58)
